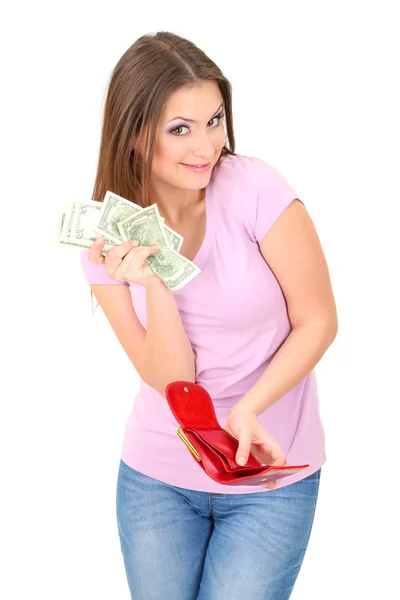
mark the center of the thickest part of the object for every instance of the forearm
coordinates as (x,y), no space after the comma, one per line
(298,355)
(168,354)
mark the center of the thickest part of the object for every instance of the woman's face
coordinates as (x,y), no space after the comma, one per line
(190,130)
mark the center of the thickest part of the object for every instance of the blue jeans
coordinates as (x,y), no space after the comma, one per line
(180,544)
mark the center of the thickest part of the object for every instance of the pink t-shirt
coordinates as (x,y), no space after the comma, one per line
(235,316)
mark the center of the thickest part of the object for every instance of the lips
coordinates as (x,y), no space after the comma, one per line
(198,166)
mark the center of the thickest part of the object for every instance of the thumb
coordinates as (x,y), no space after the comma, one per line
(94,253)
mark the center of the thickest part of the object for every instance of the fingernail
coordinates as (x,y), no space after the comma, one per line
(135,243)
(156,247)
(242,461)
(98,241)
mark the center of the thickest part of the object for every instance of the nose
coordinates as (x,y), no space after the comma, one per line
(203,147)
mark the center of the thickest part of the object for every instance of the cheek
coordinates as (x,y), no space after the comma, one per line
(220,139)
(166,151)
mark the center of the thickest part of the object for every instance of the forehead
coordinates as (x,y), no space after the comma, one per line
(194,101)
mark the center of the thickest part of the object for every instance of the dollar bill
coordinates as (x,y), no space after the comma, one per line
(84,218)
(66,227)
(66,224)
(173,268)
(114,210)
(145,227)
(82,226)
(174,239)
(117,220)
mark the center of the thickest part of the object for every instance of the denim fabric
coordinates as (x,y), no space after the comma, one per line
(180,544)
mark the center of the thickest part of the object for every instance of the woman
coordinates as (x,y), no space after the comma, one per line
(250,328)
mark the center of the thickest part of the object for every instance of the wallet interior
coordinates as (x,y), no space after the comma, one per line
(223,448)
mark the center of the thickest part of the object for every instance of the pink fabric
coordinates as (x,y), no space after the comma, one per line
(235,316)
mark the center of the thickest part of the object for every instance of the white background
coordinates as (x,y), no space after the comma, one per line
(314,94)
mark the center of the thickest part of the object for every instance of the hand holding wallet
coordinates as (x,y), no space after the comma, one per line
(211,446)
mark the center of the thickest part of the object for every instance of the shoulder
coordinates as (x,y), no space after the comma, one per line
(254,190)
(245,170)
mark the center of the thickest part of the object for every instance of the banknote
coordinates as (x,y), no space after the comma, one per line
(145,227)
(173,268)
(117,219)
(174,239)
(79,226)
(77,229)
(114,209)
(117,209)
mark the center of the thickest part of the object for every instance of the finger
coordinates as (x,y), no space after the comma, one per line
(279,461)
(267,440)
(117,268)
(243,450)
(272,484)
(268,457)
(145,251)
(95,249)
(117,253)
(142,252)
(276,452)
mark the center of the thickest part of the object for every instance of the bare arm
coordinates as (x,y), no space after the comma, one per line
(161,354)
(168,355)
(294,253)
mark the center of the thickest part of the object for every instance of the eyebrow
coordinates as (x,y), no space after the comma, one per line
(191,120)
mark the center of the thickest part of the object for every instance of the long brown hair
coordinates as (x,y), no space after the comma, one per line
(146,75)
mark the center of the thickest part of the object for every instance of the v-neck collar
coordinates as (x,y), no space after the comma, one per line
(201,257)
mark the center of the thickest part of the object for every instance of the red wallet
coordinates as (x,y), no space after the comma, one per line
(212,447)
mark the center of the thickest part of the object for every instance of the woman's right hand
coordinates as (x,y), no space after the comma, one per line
(126,261)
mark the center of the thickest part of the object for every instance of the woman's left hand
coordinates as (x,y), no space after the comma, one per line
(252,437)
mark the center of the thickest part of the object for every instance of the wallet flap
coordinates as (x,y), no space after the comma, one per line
(191,405)
(273,474)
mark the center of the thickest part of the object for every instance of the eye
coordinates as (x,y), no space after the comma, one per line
(219,117)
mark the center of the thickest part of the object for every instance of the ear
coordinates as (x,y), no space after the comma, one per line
(135,145)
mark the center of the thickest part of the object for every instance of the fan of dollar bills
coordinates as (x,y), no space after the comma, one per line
(118,220)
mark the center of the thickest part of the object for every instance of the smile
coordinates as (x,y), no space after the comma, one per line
(197,168)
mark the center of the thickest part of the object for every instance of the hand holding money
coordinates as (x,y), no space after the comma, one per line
(119,220)
(126,261)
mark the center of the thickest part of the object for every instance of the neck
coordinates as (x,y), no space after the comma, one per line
(176,207)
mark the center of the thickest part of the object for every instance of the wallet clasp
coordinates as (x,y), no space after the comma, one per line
(188,444)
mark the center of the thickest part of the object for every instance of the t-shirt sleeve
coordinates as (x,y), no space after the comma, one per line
(270,194)
(96,273)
